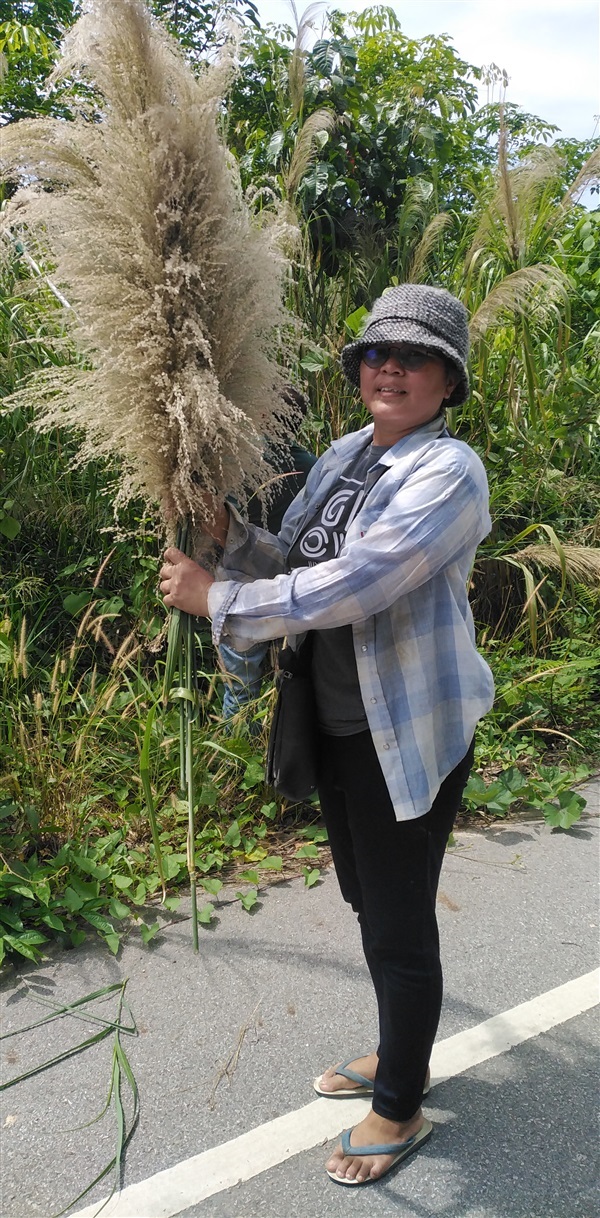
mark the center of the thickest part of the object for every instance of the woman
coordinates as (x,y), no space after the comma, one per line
(373,559)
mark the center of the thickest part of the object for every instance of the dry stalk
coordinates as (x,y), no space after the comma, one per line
(227,1070)
(22,653)
(54,677)
(102,568)
(127,650)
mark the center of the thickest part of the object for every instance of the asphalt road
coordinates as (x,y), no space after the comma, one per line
(286,988)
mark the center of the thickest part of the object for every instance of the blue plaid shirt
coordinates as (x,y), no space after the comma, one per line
(400,580)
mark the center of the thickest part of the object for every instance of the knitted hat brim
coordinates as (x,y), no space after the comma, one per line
(396,331)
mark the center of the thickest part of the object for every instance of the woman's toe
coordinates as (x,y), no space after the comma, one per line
(354,1169)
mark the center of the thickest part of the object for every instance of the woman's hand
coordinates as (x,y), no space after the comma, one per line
(183,584)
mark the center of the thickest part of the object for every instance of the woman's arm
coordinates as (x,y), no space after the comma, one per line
(438,515)
(248,552)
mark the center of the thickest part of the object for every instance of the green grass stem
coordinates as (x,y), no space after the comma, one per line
(149,798)
(71,1009)
(189,743)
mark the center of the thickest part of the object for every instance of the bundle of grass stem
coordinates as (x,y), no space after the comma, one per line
(176,293)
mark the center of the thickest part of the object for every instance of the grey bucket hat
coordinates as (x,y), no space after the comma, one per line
(416,313)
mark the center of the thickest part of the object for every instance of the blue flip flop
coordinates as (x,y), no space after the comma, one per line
(365,1085)
(399,1150)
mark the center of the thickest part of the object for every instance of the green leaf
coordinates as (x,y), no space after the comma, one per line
(206,914)
(148,930)
(78,937)
(22,891)
(173,864)
(248,899)
(248,877)
(310,851)
(253,775)
(513,779)
(76,601)
(272,863)
(354,322)
(211,885)
(43,892)
(256,854)
(316,833)
(269,810)
(139,896)
(117,909)
(27,943)
(112,606)
(570,807)
(275,146)
(316,361)
(53,921)
(172,903)
(32,937)
(85,889)
(9,527)
(100,871)
(99,922)
(122,881)
(569,798)
(10,918)
(113,942)
(233,836)
(72,900)
(311,876)
(208,796)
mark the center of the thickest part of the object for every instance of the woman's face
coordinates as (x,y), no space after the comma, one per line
(401,400)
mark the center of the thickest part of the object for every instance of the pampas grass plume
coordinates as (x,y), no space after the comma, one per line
(175,293)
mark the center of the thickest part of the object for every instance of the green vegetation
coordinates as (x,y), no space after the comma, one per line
(373,145)
(121,1074)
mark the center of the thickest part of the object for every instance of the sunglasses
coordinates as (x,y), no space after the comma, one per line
(411,358)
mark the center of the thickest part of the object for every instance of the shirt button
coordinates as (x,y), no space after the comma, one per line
(373,700)
(386,747)
(364,647)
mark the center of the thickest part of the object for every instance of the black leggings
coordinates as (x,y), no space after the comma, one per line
(388,871)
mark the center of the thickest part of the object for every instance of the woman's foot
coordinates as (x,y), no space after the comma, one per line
(373,1131)
(367,1066)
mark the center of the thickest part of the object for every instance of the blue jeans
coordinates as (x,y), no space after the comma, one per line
(244,672)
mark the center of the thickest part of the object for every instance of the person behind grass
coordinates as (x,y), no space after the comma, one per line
(373,559)
(291,465)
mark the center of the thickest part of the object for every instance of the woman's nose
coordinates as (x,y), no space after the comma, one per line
(394,363)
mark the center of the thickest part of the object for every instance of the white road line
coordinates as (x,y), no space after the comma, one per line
(170,1192)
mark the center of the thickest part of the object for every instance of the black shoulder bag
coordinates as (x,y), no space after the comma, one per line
(293,740)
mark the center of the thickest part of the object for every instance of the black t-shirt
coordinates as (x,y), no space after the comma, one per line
(339,703)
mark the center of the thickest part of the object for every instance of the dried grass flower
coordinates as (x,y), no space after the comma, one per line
(176,293)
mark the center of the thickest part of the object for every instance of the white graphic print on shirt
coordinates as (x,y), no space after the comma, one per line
(324,536)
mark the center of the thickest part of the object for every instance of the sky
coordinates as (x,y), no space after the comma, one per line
(549,48)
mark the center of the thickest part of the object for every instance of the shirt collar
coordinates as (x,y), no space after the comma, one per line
(435,429)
